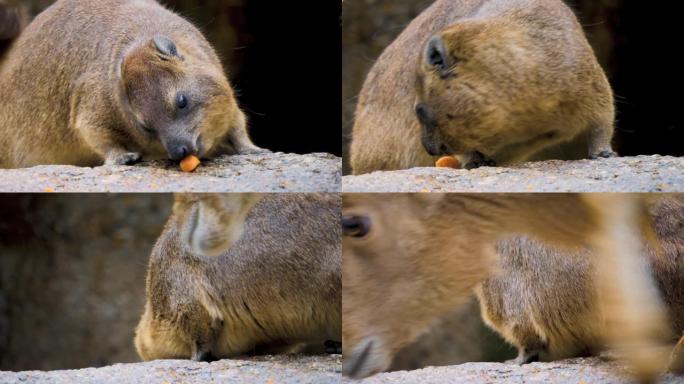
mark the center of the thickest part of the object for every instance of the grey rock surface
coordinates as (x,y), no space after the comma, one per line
(283,369)
(575,371)
(625,174)
(273,172)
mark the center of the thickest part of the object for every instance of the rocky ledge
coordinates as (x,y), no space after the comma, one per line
(623,174)
(259,370)
(273,172)
(575,371)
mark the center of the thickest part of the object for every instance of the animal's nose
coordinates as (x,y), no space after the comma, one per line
(179,151)
(423,114)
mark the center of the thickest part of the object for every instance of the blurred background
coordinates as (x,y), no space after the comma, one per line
(72,277)
(283,59)
(634,44)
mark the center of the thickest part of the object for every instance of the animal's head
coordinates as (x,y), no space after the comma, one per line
(210,224)
(480,86)
(157,338)
(178,99)
(404,265)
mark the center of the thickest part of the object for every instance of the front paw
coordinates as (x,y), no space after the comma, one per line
(478,160)
(604,154)
(127,158)
(524,358)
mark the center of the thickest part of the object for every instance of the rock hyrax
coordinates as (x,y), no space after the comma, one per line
(489,81)
(93,81)
(411,259)
(276,284)
(543,300)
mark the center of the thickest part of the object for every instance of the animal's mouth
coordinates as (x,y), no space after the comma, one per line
(358,364)
(436,146)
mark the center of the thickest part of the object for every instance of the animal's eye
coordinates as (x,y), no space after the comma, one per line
(181,101)
(145,128)
(356,226)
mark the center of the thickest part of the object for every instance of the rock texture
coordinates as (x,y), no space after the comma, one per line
(576,371)
(266,370)
(274,172)
(626,174)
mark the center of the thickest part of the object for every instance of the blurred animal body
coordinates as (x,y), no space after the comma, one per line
(544,300)
(411,259)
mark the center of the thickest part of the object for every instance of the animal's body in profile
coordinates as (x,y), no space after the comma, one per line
(96,81)
(273,281)
(490,81)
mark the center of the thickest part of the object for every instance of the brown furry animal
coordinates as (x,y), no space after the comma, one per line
(490,81)
(276,284)
(93,81)
(543,301)
(411,259)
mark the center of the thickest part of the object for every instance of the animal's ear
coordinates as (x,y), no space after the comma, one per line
(165,46)
(218,222)
(436,54)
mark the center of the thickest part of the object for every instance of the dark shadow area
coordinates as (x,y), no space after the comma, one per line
(290,79)
(647,79)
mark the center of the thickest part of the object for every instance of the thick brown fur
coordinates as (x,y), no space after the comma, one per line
(97,81)
(278,285)
(515,77)
(543,300)
(423,255)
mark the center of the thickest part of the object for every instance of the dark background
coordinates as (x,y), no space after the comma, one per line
(283,59)
(636,45)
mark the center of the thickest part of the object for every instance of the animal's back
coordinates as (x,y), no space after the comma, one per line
(291,250)
(387,134)
(286,267)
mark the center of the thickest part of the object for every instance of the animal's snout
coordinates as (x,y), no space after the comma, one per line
(180,150)
(430,136)
(357,365)
(436,147)
(423,114)
(366,358)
